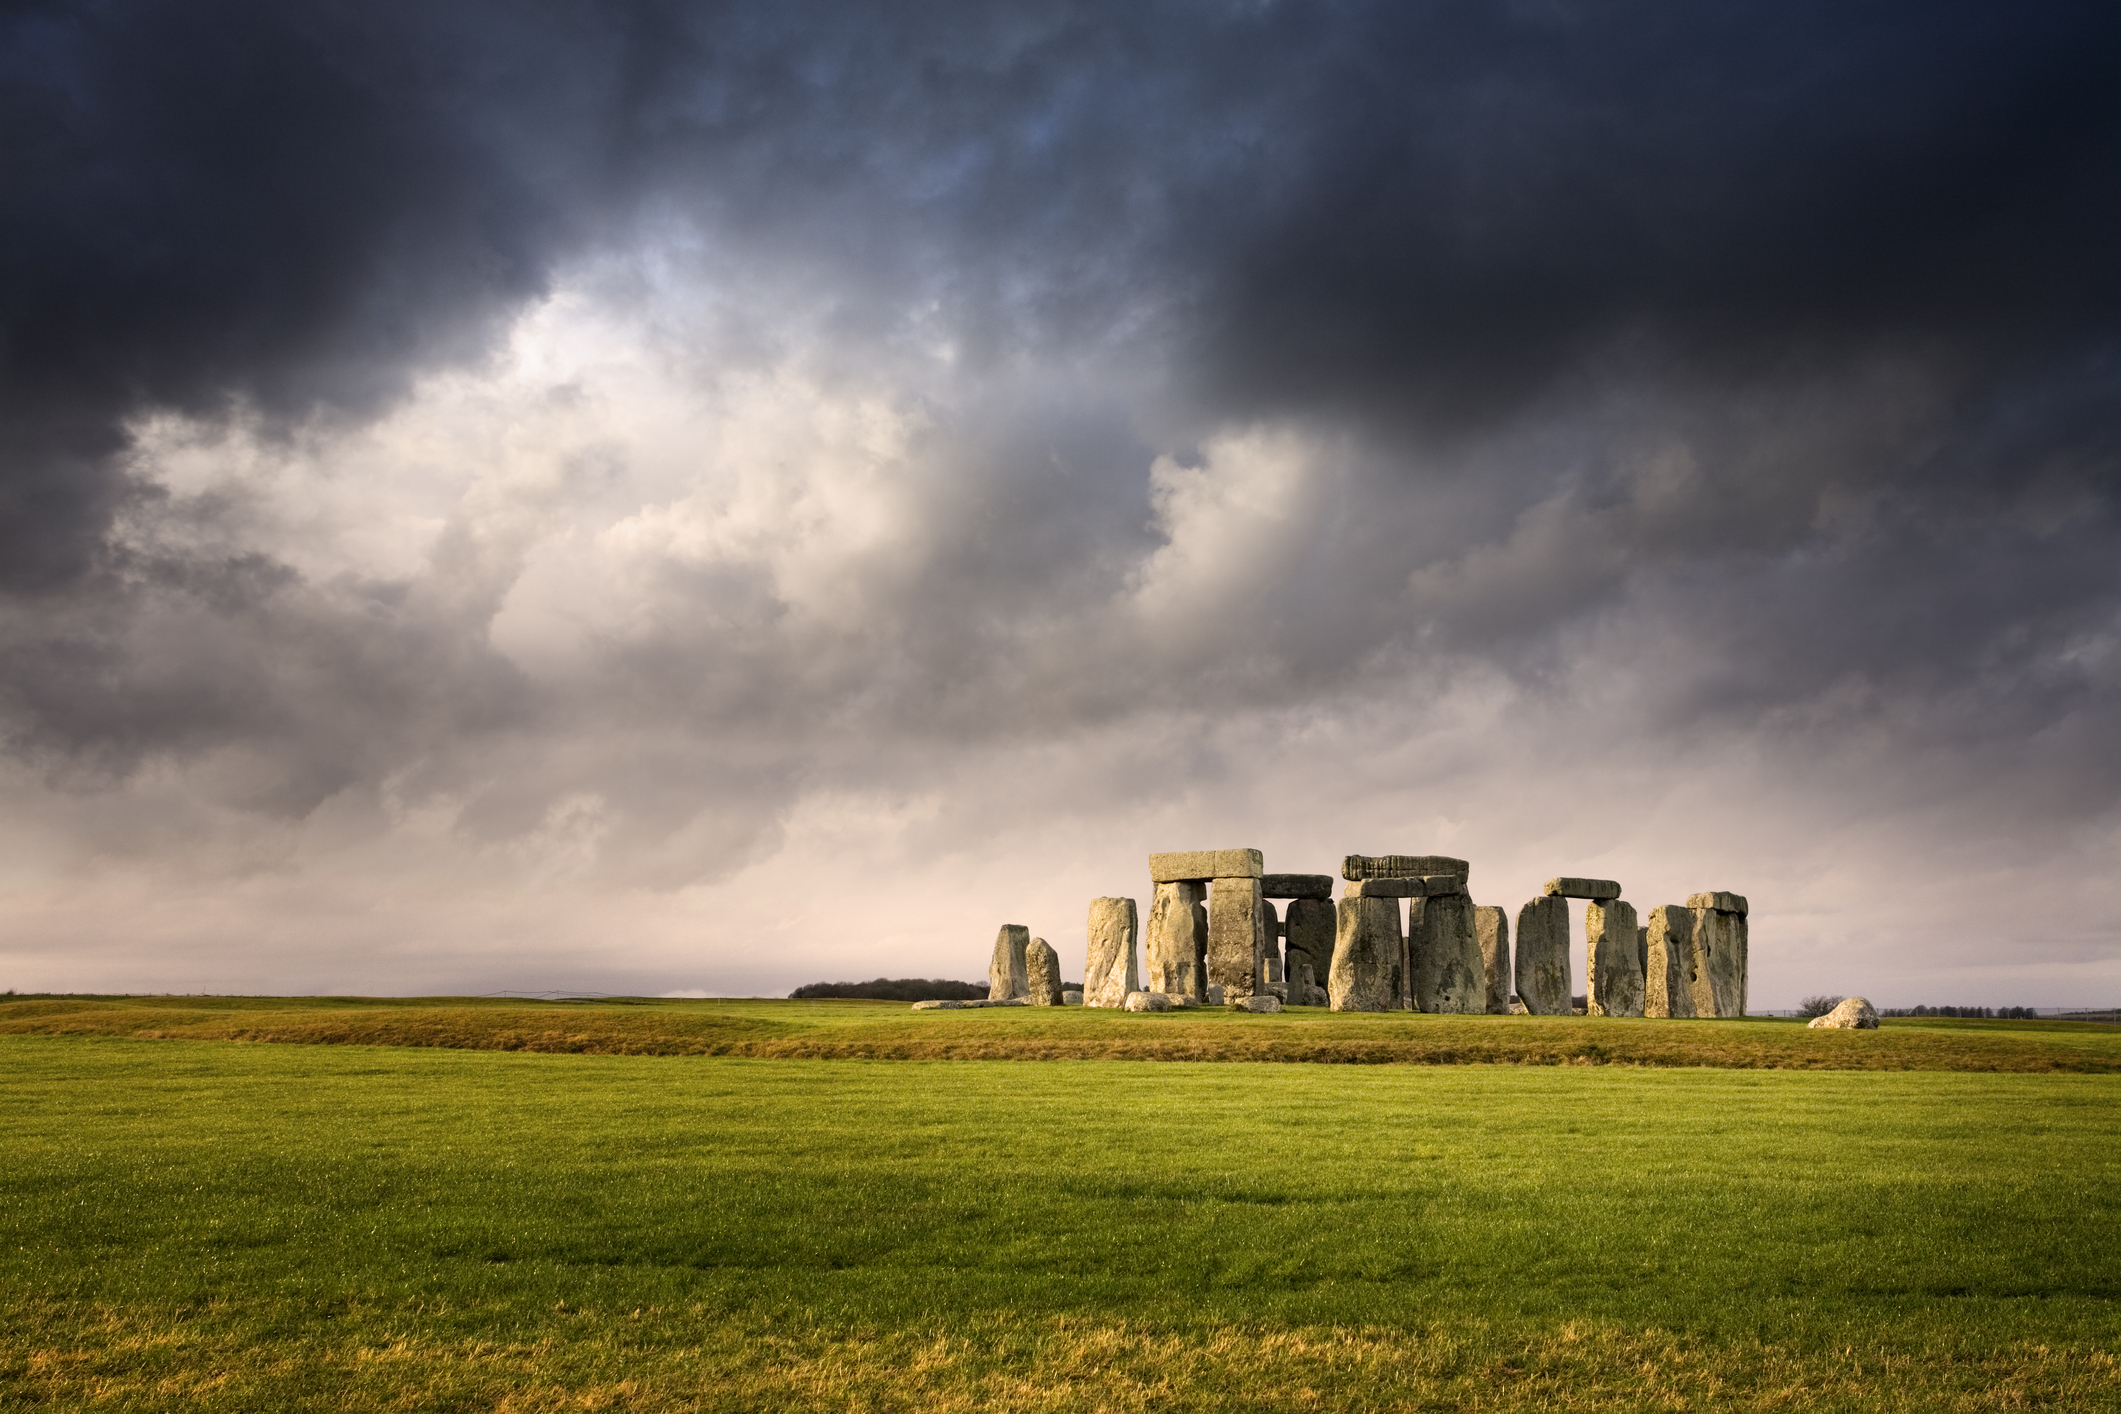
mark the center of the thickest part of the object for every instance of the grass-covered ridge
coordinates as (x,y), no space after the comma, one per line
(834,1029)
(249,1227)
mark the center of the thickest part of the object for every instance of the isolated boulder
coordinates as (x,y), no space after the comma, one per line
(1265,1003)
(939,1006)
(1854,1014)
(1147,1001)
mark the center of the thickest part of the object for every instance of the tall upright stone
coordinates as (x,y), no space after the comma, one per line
(1667,979)
(1236,942)
(1111,969)
(1719,982)
(1005,969)
(1043,971)
(1366,956)
(1177,940)
(1612,969)
(1492,927)
(1309,928)
(1302,980)
(1443,951)
(1543,957)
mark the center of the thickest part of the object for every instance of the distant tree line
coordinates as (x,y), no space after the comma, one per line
(1990,1013)
(895,989)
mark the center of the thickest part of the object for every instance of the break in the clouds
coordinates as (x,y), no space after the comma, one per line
(652,497)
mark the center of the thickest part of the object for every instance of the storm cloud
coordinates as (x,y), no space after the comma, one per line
(710,497)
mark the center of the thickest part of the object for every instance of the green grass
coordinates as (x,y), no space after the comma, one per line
(852,1030)
(264,1227)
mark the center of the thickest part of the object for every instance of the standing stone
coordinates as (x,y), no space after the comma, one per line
(1042,969)
(1642,957)
(1235,938)
(1366,956)
(1492,927)
(1111,970)
(1005,970)
(1177,939)
(1667,976)
(1310,928)
(1443,949)
(1303,982)
(1612,971)
(1543,956)
(1719,979)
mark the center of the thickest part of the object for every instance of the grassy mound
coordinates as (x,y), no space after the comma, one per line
(887,1031)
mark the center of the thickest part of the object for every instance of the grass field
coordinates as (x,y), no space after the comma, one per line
(851,1030)
(245,1227)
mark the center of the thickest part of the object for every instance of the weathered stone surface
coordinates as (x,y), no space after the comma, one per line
(1215,994)
(1443,949)
(1401,866)
(1309,928)
(1005,969)
(1443,885)
(1386,888)
(1177,941)
(1071,997)
(1147,1001)
(1111,969)
(1667,975)
(1612,968)
(1722,900)
(937,1006)
(1366,956)
(1042,971)
(1491,926)
(1200,865)
(1236,937)
(1594,889)
(998,1001)
(1302,980)
(1542,972)
(1267,1002)
(1719,971)
(1854,1014)
(1180,1003)
(1296,885)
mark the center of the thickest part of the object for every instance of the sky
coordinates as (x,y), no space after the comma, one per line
(698,499)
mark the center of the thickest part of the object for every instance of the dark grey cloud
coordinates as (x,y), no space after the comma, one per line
(1770,354)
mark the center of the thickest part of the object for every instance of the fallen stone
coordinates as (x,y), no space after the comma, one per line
(1316,886)
(1071,997)
(1542,971)
(1147,1001)
(937,1006)
(1443,954)
(1720,900)
(1596,890)
(997,1001)
(1110,971)
(1367,949)
(1177,941)
(1401,866)
(1197,866)
(1005,969)
(1386,888)
(1718,979)
(1668,968)
(1180,1003)
(1236,936)
(1491,926)
(1268,1002)
(1042,973)
(1612,968)
(1854,1014)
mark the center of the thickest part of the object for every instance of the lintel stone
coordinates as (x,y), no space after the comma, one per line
(1401,866)
(1722,900)
(1386,888)
(1318,886)
(1596,890)
(1199,865)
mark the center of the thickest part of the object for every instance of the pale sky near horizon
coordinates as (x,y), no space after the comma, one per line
(706,498)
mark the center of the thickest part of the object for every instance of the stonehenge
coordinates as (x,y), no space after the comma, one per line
(1043,970)
(1404,935)
(1111,972)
